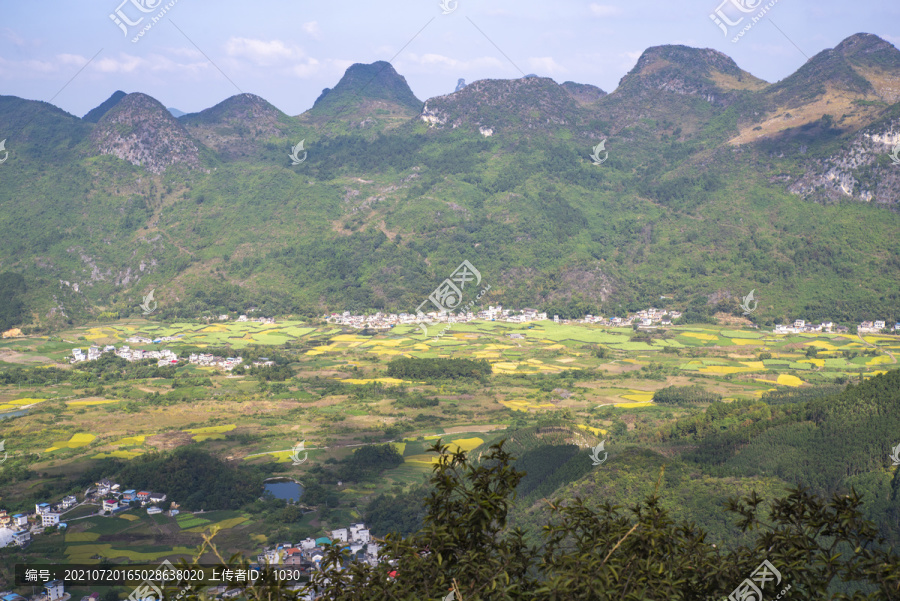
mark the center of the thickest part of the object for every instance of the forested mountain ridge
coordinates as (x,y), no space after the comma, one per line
(140,130)
(708,191)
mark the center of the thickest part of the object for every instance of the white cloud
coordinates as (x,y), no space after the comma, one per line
(545,65)
(126,63)
(307,68)
(71,59)
(312,28)
(439,60)
(261,52)
(604,10)
(41,66)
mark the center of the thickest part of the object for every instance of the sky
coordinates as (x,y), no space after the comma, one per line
(197,53)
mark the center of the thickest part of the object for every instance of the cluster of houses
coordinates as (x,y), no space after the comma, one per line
(210,360)
(163,357)
(876,326)
(801,325)
(645,318)
(53,590)
(307,554)
(145,340)
(382,321)
(385,321)
(45,515)
(266,320)
(113,499)
(106,493)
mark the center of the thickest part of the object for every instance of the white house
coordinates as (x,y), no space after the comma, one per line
(339,534)
(359,533)
(49,519)
(110,504)
(22,537)
(55,589)
(308,543)
(20,519)
(153,509)
(68,501)
(42,508)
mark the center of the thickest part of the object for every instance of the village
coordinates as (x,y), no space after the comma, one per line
(19,528)
(307,554)
(645,318)
(164,357)
(301,558)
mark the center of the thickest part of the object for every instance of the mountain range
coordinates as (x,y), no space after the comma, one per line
(716,183)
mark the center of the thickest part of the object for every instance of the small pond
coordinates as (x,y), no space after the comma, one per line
(13,413)
(284,489)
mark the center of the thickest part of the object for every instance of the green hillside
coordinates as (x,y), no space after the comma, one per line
(693,202)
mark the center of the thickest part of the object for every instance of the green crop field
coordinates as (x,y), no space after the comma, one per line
(339,399)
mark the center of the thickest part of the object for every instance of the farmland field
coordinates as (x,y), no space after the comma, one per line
(338,398)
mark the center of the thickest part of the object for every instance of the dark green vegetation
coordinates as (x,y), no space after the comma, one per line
(414,368)
(601,551)
(215,218)
(197,479)
(684,395)
(12,304)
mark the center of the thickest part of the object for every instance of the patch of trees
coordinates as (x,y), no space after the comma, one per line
(401,514)
(548,467)
(367,463)
(414,368)
(596,550)
(417,401)
(194,479)
(272,373)
(685,395)
(107,369)
(189,382)
(800,395)
(12,300)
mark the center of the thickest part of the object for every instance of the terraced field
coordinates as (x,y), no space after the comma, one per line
(341,398)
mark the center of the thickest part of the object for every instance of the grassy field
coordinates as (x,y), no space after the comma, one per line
(592,377)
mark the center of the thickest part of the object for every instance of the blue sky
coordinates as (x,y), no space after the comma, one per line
(201,52)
